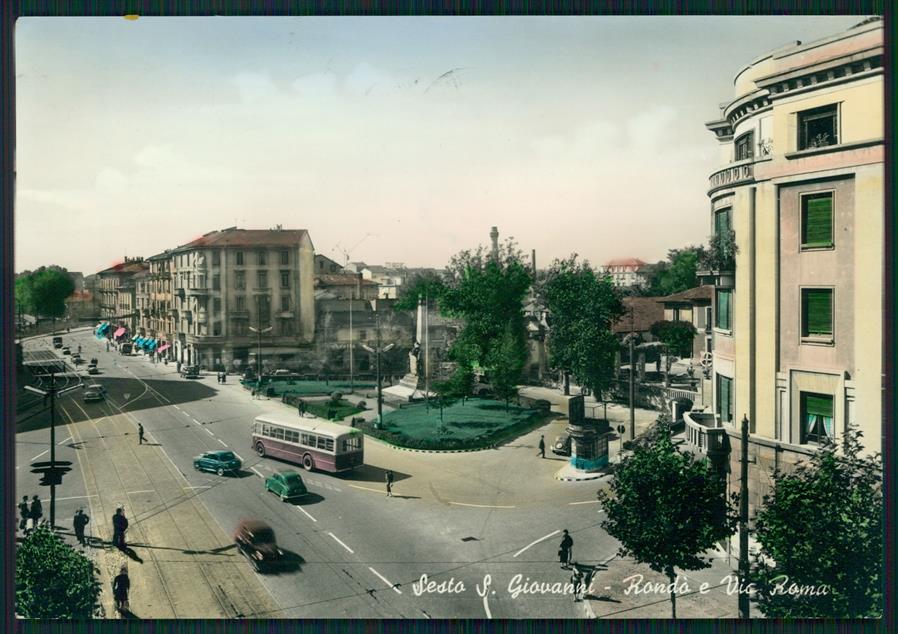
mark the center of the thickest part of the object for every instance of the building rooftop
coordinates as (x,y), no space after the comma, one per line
(625,262)
(234,237)
(129,266)
(335,279)
(703,292)
(646,311)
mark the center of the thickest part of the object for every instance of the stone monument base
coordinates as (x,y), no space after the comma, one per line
(407,391)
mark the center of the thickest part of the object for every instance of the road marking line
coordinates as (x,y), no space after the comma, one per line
(256,471)
(355,486)
(536,542)
(222,442)
(586,502)
(195,420)
(238,456)
(483,506)
(341,543)
(146,491)
(64,441)
(177,408)
(185,413)
(201,486)
(385,580)
(39,455)
(299,508)
(74,497)
(206,429)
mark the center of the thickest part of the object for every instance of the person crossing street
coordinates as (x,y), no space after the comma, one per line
(119,526)
(25,513)
(140,436)
(388,476)
(37,511)
(78,523)
(542,446)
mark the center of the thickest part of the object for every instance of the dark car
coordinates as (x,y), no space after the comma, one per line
(255,540)
(76,359)
(219,462)
(66,350)
(125,348)
(91,395)
(562,445)
(57,342)
(286,484)
(192,372)
(93,369)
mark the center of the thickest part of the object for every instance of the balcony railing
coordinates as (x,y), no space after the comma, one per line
(705,433)
(738,174)
(239,314)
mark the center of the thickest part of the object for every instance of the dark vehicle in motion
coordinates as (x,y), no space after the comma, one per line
(91,395)
(93,369)
(219,462)
(562,445)
(66,350)
(126,348)
(255,540)
(57,342)
(287,485)
(191,372)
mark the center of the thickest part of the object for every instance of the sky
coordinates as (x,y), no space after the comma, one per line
(389,139)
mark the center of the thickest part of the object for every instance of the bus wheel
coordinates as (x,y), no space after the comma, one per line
(307,462)
(260,449)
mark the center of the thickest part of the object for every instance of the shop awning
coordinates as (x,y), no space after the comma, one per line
(151,343)
(164,347)
(140,341)
(118,333)
(135,337)
(103,328)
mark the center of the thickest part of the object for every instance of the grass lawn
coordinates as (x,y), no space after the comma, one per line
(344,409)
(309,387)
(476,423)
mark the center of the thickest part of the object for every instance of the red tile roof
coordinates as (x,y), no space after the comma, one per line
(646,311)
(704,292)
(625,262)
(247,238)
(125,267)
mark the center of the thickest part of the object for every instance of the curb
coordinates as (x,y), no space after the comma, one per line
(398,448)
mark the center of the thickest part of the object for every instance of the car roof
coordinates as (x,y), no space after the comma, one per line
(253,526)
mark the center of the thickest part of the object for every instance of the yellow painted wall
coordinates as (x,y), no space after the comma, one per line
(765,310)
(742,305)
(868,292)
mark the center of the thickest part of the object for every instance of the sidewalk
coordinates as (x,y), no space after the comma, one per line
(619,592)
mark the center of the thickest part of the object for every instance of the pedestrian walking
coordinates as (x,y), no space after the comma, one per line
(577,582)
(25,512)
(388,476)
(119,526)
(107,346)
(79,348)
(302,407)
(224,377)
(564,549)
(542,446)
(78,523)
(140,436)
(37,511)
(120,587)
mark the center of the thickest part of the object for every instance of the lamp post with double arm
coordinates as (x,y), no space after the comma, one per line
(377,351)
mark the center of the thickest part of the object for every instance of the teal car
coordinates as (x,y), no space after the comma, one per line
(219,462)
(286,485)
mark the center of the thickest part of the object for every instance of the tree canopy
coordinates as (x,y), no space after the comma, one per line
(821,529)
(676,274)
(582,307)
(43,292)
(678,336)
(427,284)
(54,581)
(665,508)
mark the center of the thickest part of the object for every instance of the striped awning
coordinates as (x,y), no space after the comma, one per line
(164,347)
(118,333)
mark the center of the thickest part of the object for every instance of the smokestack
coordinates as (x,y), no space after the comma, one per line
(533,263)
(494,236)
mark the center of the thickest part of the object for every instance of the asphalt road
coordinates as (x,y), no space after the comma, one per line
(478,525)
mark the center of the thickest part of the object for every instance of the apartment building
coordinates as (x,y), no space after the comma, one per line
(626,272)
(227,285)
(798,324)
(117,293)
(154,304)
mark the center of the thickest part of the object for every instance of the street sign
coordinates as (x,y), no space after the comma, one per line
(621,429)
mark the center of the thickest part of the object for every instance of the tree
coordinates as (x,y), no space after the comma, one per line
(677,336)
(821,529)
(666,509)
(25,294)
(488,294)
(53,581)
(675,275)
(721,252)
(47,290)
(507,360)
(426,284)
(582,307)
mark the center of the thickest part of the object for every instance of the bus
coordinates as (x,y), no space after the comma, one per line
(310,441)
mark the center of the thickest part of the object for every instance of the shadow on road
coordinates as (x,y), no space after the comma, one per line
(308,499)
(370,473)
(290,562)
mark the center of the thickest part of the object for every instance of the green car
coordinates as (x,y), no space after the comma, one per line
(286,485)
(219,462)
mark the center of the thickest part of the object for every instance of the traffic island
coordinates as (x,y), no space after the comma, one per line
(471,425)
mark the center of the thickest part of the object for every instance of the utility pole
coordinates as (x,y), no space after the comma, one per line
(743,523)
(632,338)
(377,352)
(427,350)
(259,332)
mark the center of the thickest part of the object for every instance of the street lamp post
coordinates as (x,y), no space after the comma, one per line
(377,352)
(259,332)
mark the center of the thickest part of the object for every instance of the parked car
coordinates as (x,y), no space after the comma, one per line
(286,484)
(562,445)
(191,372)
(256,541)
(219,462)
(282,372)
(90,395)
(57,342)
(125,348)
(93,369)
(76,359)
(66,350)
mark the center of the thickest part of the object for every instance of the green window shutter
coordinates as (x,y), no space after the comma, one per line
(818,405)
(724,397)
(721,221)
(818,312)
(817,224)
(723,309)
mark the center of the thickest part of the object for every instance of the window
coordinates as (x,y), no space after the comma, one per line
(216,282)
(285,279)
(724,319)
(304,440)
(285,256)
(285,302)
(818,127)
(264,305)
(363,335)
(262,279)
(239,258)
(239,280)
(817,220)
(708,321)
(279,433)
(216,257)
(350,443)
(216,329)
(285,327)
(262,258)
(291,436)
(325,443)
(216,305)
(241,302)
(240,328)
(744,146)
(816,417)
(817,312)
(725,398)
(722,221)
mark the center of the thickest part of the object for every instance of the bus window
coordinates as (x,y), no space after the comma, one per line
(292,436)
(304,439)
(329,444)
(266,430)
(350,443)
(279,433)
